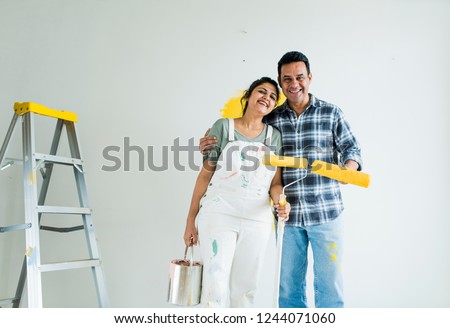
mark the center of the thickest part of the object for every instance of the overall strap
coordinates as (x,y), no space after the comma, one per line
(268,135)
(230,129)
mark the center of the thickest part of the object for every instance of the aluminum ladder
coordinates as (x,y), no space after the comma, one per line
(35,206)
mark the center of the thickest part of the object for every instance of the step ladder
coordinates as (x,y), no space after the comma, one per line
(35,206)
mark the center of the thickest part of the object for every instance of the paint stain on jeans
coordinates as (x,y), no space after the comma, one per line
(332,246)
(332,249)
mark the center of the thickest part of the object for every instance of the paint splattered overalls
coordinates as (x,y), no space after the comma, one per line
(234,223)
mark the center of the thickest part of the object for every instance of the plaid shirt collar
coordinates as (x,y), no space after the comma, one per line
(284,107)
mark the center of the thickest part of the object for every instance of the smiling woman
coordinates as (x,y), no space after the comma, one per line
(233,107)
(230,212)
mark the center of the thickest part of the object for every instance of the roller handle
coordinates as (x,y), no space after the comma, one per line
(282,200)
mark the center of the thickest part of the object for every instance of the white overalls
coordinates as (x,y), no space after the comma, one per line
(235,222)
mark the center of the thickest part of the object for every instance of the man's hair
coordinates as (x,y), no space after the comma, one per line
(292,57)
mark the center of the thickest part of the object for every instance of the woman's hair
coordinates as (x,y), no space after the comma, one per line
(254,85)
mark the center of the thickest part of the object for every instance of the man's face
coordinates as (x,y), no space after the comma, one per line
(294,81)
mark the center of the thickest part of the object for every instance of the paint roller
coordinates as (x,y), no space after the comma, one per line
(325,169)
(322,168)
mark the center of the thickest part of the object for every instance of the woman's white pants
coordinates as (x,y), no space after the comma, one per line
(232,250)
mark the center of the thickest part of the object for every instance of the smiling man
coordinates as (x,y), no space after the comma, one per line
(317,130)
(314,129)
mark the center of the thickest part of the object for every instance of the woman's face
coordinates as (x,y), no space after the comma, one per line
(263,99)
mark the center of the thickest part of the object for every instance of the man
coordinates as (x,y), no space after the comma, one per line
(316,130)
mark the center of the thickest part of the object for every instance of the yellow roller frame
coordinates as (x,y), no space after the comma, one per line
(341,174)
(285,161)
(22,108)
(322,168)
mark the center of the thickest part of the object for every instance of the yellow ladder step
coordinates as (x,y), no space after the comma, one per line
(22,108)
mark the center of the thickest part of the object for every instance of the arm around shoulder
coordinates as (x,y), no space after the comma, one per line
(211,138)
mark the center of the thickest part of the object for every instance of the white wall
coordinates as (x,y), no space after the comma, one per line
(155,71)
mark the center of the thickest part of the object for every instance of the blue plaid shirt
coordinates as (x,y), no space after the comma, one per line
(319,133)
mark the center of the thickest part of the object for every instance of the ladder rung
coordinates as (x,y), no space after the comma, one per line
(7,161)
(56,229)
(63,210)
(15,227)
(70,265)
(58,159)
(7,301)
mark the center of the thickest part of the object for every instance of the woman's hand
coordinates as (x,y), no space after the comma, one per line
(190,235)
(283,211)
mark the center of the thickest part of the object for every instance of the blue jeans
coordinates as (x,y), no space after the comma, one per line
(326,243)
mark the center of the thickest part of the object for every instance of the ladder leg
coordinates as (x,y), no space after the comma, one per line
(34,281)
(23,273)
(94,253)
(42,196)
(21,284)
(87,218)
(8,137)
(49,166)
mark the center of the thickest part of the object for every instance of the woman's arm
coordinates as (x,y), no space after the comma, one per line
(205,175)
(276,189)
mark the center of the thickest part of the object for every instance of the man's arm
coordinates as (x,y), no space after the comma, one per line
(347,144)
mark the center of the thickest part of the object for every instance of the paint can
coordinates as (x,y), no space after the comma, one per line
(185,280)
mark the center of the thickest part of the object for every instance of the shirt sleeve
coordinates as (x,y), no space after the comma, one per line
(346,142)
(217,130)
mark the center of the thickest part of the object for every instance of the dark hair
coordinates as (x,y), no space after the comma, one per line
(292,57)
(253,86)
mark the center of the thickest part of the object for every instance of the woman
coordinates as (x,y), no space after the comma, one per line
(230,204)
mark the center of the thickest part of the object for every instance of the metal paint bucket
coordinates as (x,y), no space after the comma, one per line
(185,283)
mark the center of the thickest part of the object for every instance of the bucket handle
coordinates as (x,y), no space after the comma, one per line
(191,246)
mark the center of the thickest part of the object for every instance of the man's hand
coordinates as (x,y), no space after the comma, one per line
(207,143)
(350,165)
